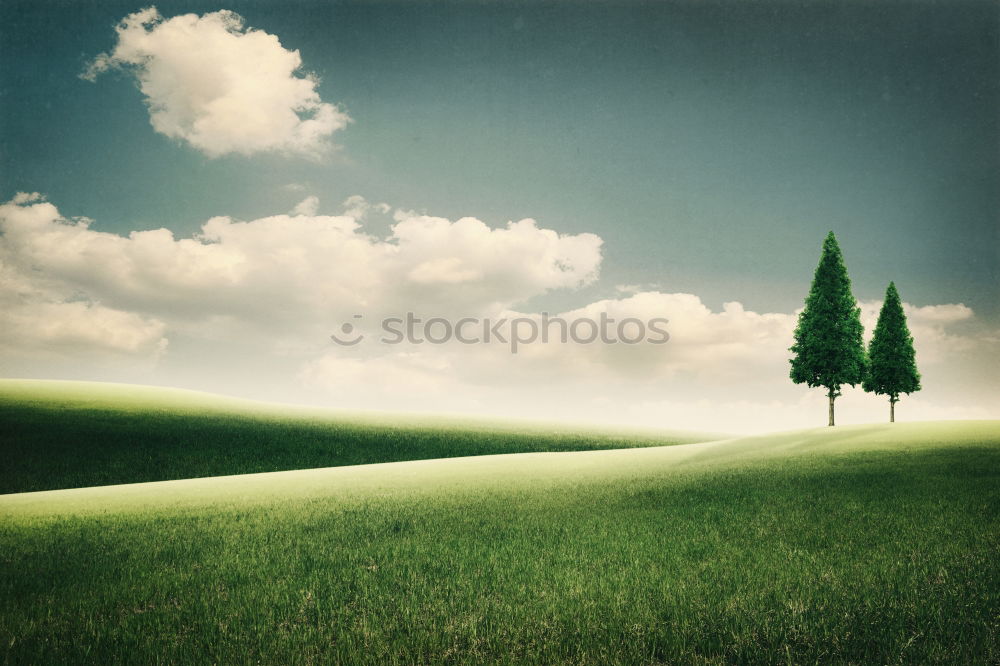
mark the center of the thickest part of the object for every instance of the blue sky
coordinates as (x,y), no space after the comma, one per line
(710,146)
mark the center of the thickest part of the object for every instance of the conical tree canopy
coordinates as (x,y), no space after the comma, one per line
(829,349)
(892,361)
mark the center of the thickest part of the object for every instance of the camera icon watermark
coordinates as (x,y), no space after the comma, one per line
(349,336)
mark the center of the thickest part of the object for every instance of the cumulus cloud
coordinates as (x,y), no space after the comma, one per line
(75,326)
(222,87)
(22,198)
(44,317)
(296,270)
(703,342)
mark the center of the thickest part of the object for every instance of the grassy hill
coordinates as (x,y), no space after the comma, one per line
(868,544)
(75,434)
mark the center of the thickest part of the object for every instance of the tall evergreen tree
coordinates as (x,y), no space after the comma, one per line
(892,365)
(829,350)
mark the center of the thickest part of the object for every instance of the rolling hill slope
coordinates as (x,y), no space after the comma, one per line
(76,434)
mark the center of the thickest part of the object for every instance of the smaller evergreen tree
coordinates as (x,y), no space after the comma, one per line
(892,365)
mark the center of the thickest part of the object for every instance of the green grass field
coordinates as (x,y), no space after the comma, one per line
(75,434)
(865,544)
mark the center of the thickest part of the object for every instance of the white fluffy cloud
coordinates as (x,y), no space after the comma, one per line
(293,272)
(221,87)
(74,326)
(46,317)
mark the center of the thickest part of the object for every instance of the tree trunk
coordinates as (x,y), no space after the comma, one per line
(830,395)
(892,410)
